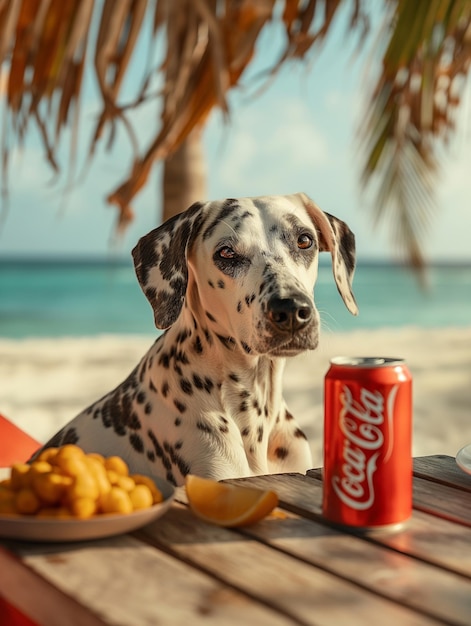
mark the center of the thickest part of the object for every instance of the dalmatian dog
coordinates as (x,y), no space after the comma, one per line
(232,282)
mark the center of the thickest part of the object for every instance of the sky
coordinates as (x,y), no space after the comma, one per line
(297,135)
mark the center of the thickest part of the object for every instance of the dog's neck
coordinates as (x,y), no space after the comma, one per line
(222,365)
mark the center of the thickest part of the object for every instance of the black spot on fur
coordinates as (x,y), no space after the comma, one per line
(299,433)
(141,397)
(211,284)
(132,421)
(227,342)
(228,207)
(171,478)
(206,428)
(244,393)
(288,415)
(243,406)
(221,284)
(105,415)
(66,435)
(246,347)
(245,431)
(224,424)
(239,307)
(136,442)
(164,360)
(112,411)
(182,465)
(260,434)
(209,316)
(177,421)
(208,384)
(165,389)
(157,447)
(186,386)
(181,357)
(256,406)
(197,345)
(172,259)
(234,377)
(183,336)
(148,409)
(198,381)
(281,452)
(181,408)
(150,455)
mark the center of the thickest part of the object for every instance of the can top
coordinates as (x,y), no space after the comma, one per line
(366,361)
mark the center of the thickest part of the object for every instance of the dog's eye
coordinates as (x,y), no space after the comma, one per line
(305,241)
(227,253)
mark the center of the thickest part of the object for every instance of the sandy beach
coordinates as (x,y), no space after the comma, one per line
(46,382)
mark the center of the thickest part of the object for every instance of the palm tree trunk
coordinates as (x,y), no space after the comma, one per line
(184,177)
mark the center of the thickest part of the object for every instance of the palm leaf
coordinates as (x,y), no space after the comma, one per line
(44,45)
(209,44)
(413,105)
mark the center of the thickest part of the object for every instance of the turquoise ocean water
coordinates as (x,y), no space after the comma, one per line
(49,298)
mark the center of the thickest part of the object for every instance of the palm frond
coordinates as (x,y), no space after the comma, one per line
(44,46)
(424,66)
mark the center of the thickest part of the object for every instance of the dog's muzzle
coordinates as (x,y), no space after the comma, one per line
(290,315)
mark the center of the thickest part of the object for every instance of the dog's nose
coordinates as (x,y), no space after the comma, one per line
(289,314)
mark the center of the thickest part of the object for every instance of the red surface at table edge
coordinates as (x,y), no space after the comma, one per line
(16,446)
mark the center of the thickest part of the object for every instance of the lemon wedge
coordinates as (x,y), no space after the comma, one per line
(228,505)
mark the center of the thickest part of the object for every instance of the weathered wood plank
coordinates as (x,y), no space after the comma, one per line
(291,586)
(426,537)
(37,598)
(127,583)
(449,503)
(442,469)
(411,582)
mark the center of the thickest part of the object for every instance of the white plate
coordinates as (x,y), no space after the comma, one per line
(57,530)
(463,459)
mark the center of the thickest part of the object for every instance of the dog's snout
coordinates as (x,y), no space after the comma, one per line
(290,314)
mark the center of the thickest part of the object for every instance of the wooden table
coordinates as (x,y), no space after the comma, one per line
(289,569)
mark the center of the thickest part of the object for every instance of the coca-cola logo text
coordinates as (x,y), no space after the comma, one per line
(364,424)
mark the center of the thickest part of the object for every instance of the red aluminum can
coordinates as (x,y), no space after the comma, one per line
(367,443)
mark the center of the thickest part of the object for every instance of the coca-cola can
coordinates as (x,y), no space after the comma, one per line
(367,481)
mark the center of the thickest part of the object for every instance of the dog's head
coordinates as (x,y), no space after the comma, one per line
(245,269)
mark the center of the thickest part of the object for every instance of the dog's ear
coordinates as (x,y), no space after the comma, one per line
(160,262)
(336,237)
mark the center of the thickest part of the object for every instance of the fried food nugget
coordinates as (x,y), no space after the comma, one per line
(26,501)
(66,482)
(116,501)
(20,476)
(141,497)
